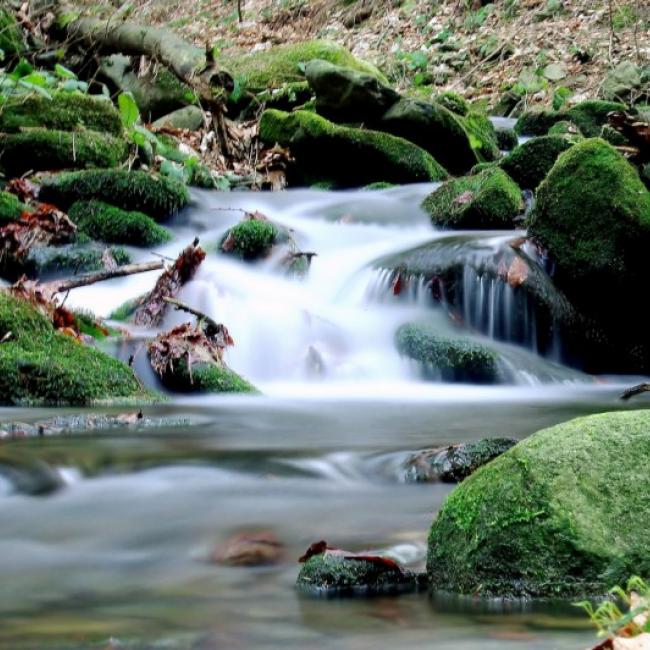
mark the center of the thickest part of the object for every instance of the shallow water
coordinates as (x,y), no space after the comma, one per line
(121,550)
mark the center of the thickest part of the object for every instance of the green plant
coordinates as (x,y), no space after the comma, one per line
(560,97)
(475,19)
(24,79)
(611,621)
(623,17)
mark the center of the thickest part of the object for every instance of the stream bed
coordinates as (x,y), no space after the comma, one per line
(118,556)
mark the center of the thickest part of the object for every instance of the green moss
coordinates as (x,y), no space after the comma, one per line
(206,378)
(10,208)
(506,139)
(536,522)
(614,137)
(536,122)
(11,38)
(251,240)
(489,199)
(44,149)
(279,65)
(482,136)
(453,102)
(346,156)
(379,185)
(564,127)
(452,359)
(336,574)
(40,366)
(109,224)
(126,309)
(530,162)
(157,196)
(63,112)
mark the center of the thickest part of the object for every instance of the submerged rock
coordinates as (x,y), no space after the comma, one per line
(530,162)
(45,149)
(157,196)
(112,225)
(454,463)
(450,359)
(562,514)
(262,548)
(39,366)
(489,199)
(327,571)
(63,111)
(346,156)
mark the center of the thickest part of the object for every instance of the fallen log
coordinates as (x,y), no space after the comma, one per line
(636,390)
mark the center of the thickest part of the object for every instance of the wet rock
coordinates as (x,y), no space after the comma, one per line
(489,199)
(449,359)
(345,156)
(347,95)
(253,238)
(530,162)
(454,463)
(29,476)
(45,149)
(535,523)
(328,571)
(261,548)
(157,196)
(188,117)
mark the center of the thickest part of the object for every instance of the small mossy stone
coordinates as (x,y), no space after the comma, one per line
(563,514)
(331,574)
(205,378)
(347,157)
(64,111)
(565,127)
(379,185)
(530,162)
(157,196)
(454,102)
(536,122)
(44,149)
(10,208)
(454,463)
(506,139)
(11,38)
(614,137)
(250,240)
(489,199)
(39,366)
(112,225)
(445,358)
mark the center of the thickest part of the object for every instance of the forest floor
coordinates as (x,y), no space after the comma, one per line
(534,47)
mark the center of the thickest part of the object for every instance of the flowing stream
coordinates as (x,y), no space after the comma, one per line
(121,549)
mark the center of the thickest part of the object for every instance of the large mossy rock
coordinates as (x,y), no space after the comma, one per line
(284,64)
(10,208)
(11,38)
(64,111)
(205,378)
(530,162)
(44,149)
(157,196)
(109,224)
(39,366)
(593,216)
(489,199)
(449,359)
(347,95)
(562,514)
(589,116)
(345,156)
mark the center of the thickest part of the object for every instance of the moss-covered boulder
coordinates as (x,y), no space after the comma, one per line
(44,149)
(346,95)
(64,111)
(562,514)
(454,463)
(284,64)
(482,135)
(564,127)
(335,574)
(450,359)
(506,138)
(40,366)
(112,225)
(454,102)
(157,196)
(346,156)
(589,116)
(250,240)
(10,208)
(11,38)
(489,199)
(593,215)
(205,378)
(530,162)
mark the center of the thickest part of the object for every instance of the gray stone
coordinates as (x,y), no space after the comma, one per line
(622,81)
(189,117)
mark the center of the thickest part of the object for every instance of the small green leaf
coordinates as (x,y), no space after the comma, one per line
(129,112)
(63,72)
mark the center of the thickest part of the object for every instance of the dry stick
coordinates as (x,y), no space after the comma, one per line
(636,390)
(58,286)
(181,306)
